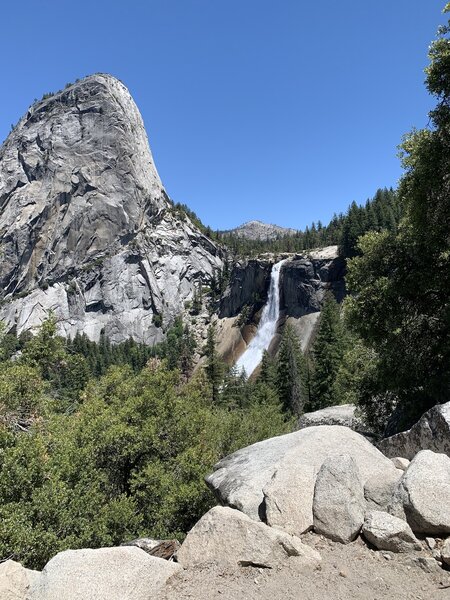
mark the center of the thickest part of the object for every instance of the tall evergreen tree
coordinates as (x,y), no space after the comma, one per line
(327,354)
(214,367)
(290,370)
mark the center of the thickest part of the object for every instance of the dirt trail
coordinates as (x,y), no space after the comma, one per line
(352,572)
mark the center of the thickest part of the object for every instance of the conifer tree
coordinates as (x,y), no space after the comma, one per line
(290,370)
(214,368)
(327,354)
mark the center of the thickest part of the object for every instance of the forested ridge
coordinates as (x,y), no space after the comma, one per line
(101,443)
(382,212)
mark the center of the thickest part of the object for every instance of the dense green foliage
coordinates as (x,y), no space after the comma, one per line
(400,284)
(92,460)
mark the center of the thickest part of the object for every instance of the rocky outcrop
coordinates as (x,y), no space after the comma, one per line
(343,414)
(386,532)
(86,227)
(249,284)
(339,506)
(422,496)
(431,432)
(15,580)
(275,468)
(305,279)
(288,497)
(228,538)
(112,573)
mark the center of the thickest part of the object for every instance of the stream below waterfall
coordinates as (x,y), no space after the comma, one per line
(266,328)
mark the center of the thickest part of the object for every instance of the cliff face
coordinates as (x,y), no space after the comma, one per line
(304,280)
(86,227)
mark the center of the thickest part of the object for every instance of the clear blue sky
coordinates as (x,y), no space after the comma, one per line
(283,111)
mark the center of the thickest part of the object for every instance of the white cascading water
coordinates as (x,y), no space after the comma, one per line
(266,328)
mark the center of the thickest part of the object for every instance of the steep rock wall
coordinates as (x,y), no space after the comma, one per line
(86,227)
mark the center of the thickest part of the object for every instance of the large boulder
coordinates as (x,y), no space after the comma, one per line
(342,414)
(288,497)
(387,532)
(431,432)
(226,537)
(15,580)
(124,573)
(285,467)
(339,505)
(422,495)
(380,488)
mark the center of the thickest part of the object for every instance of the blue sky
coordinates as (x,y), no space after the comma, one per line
(282,111)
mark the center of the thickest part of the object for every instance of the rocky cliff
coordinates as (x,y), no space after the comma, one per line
(86,227)
(303,282)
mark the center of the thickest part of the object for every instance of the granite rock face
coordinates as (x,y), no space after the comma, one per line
(227,537)
(112,573)
(304,279)
(342,414)
(339,506)
(386,532)
(86,227)
(249,284)
(266,476)
(431,432)
(15,580)
(422,496)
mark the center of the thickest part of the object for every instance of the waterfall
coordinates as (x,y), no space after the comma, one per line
(266,328)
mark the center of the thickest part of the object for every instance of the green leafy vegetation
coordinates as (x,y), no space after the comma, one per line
(97,448)
(400,284)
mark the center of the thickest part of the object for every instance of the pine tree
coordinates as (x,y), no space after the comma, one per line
(327,354)
(290,370)
(214,367)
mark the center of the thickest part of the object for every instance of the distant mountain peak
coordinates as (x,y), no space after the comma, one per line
(257,230)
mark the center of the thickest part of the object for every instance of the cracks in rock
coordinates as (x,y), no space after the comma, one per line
(5,198)
(29,172)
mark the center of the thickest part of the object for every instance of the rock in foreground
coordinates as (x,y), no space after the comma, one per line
(339,504)
(386,532)
(423,494)
(276,464)
(15,580)
(124,573)
(227,537)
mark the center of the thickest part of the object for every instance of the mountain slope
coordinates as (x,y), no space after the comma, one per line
(257,230)
(86,227)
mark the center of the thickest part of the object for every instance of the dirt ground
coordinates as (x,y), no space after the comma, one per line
(351,572)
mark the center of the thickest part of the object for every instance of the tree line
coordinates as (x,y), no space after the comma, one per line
(382,212)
